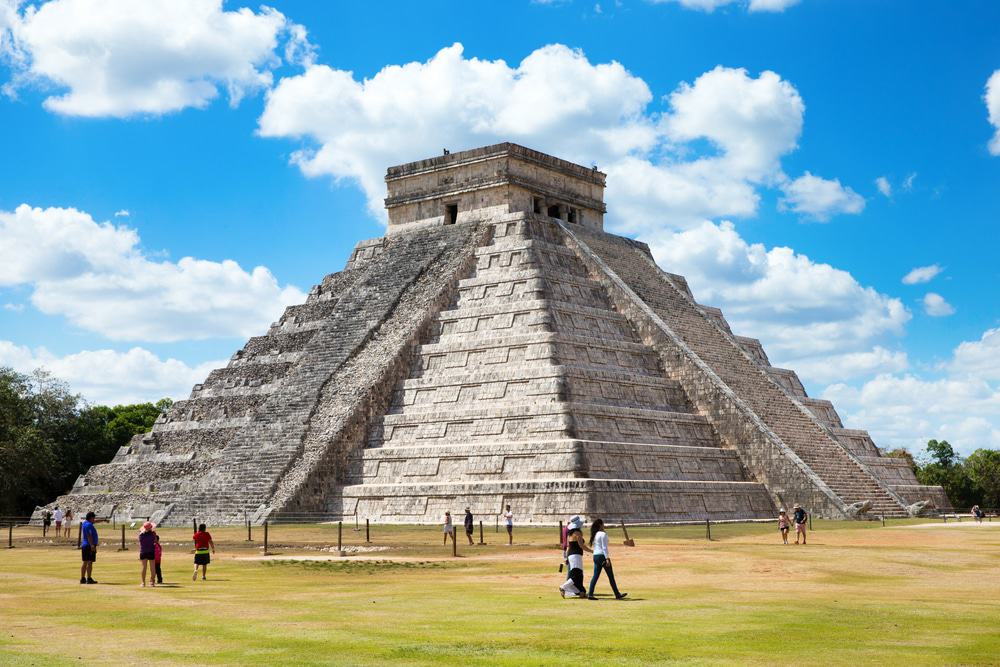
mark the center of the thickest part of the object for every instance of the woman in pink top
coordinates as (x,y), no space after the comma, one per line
(783,525)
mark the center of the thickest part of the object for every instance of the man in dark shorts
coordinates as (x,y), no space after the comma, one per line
(468,524)
(88,549)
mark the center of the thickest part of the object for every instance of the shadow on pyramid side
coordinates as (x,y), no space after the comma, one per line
(497,347)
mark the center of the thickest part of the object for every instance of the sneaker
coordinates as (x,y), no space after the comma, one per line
(562,593)
(194,576)
(203,578)
(621,595)
(82,580)
(591,597)
(91,581)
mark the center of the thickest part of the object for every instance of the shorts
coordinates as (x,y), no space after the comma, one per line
(58,525)
(147,555)
(202,559)
(468,530)
(800,528)
(510,528)
(88,554)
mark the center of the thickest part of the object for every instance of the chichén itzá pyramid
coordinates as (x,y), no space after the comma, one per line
(497,347)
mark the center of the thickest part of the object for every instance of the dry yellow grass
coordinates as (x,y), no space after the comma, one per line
(857,594)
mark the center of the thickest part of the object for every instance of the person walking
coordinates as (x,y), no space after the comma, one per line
(977,514)
(801,517)
(46,522)
(58,517)
(158,555)
(147,553)
(602,560)
(448,527)
(508,518)
(468,524)
(88,548)
(68,519)
(202,542)
(575,546)
(783,524)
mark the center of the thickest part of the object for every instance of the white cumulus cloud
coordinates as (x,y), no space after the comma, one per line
(992,99)
(557,101)
(111,377)
(810,316)
(936,306)
(820,198)
(120,58)
(751,5)
(922,274)
(980,358)
(97,275)
(884,186)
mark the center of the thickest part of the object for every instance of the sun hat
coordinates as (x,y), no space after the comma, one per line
(797,506)
(148,526)
(782,511)
(575,522)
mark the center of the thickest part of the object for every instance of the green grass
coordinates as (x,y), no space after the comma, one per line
(859,594)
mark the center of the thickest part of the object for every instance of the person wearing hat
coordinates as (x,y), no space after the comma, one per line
(783,524)
(468,524)
(147,553)
(800,518)
(575,546)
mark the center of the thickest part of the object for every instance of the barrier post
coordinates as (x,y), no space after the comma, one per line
(265,537)
(708,529)
(249,529)
(883,521)
(340,533)
(194,524)
(498,523)
(560,534)
(481,532)
(454,543)
(357,526)
(79,534)
(123,548)
(10,535)
(368,533)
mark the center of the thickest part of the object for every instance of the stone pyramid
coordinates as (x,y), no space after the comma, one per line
(498,347)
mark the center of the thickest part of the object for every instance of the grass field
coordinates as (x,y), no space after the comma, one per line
(910,593)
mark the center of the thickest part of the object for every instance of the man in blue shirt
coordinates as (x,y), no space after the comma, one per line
(88,549)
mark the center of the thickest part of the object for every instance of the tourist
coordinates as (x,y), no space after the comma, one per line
(88,549)
(783,524)
(800,518)
(158,553)
(977,514)
(508,518)
(602,559)
(448,527)
(46,521)
(58,517)
(68,519)
(468,524)
(202,542)
(573,586)
(147,553)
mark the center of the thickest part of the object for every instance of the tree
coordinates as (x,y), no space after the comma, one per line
(942,466)
(983,468)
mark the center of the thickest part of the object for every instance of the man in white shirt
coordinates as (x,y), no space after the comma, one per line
(58,516)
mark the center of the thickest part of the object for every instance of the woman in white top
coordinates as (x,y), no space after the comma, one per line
(448,527)
(602,559)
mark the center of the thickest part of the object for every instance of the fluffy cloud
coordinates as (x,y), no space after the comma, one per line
(806,313)
(992,99)
(922,274)
(978,359)
(120,58)
(907,411)
(96,275)
(884,186)
(557,101)
(752,5)
(110,377)
(554,100)
(820,198)
(936,306)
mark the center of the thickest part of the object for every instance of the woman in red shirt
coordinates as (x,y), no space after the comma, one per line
(202,542)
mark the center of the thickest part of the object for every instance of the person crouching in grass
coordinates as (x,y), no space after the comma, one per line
(147,553)
(202,542)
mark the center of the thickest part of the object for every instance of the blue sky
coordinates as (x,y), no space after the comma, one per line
(794,159)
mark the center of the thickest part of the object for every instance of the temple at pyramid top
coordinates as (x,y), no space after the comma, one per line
(493,180)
